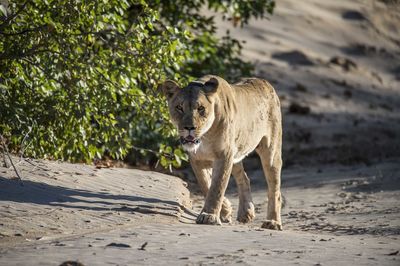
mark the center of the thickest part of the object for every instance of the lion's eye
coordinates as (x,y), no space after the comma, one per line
(201,110)
(179,108)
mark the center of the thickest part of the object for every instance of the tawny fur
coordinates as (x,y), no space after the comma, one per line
(231,121)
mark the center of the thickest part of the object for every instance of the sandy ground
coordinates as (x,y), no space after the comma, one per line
(129,217)
(336,66)
(60,199)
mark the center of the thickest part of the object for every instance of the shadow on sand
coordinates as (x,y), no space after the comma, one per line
(59,196)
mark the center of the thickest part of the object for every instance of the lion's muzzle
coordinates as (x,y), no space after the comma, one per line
(189,140)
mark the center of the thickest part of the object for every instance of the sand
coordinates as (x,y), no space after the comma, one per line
(335,215)
(335,65)
(61,199)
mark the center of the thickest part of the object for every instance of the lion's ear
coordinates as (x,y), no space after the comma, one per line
(169,88)
(211,85)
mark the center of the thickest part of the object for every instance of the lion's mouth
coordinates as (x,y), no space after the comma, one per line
(189,140)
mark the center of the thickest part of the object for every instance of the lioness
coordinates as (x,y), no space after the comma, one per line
(219,124)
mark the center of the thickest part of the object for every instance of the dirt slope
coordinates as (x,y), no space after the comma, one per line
(335,65)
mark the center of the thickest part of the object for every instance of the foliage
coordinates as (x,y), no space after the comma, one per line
(78,78)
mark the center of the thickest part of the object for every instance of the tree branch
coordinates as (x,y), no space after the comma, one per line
(8,19)
(168,155)
(24,31)
(31,52)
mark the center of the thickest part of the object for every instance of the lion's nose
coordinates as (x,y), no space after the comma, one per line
(189,128)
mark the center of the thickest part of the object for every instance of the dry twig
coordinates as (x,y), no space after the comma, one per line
(5,151)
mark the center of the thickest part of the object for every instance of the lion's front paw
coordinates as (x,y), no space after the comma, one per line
(208,218)
(272,224)
(246,213)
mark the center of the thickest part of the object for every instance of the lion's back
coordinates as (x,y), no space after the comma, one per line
(255,93)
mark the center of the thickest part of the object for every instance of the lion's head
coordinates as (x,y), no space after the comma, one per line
(191,109)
